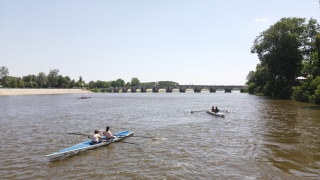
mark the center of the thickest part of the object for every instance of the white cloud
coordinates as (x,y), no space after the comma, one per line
(258,20)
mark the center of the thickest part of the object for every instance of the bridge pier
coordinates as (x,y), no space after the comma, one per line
(143,90)
(212,90)
(109,90)
(124,90)
(155,90)
(133,90)
(227,90)
(115,90)
(182,90)
(169,90)
(197,90)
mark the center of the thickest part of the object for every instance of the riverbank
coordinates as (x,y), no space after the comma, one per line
(8,92)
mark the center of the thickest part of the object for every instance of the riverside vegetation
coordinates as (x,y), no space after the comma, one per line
(54,80)
(289,61)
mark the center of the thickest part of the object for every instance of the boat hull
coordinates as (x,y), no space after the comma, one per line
(219,114)
(84,146)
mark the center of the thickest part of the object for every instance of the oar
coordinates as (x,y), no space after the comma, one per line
(225,111)
(153,138)
(144,136)
(205,110)
(79,134)
(197,111)
(130,143)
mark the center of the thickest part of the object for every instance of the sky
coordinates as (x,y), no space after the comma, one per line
(186,41)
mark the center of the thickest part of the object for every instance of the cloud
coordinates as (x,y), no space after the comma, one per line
(258,20)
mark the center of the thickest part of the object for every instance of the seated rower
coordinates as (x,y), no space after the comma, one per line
(108,133)
(212,109)
(216,110)
(96,138)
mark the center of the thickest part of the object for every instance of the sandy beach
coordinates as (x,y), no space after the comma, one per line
(8,92)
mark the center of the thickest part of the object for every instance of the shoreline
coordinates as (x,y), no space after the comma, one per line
(14,92)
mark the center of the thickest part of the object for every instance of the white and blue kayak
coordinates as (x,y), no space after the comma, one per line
(219,114)
(84,146)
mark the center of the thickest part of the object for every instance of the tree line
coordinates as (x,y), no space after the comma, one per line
(289,66)
(54,80)
(42,80)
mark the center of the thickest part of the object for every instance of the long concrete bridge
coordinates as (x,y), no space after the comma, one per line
(181,88)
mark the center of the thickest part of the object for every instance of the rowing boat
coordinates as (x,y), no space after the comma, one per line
(219,114)
(84,146)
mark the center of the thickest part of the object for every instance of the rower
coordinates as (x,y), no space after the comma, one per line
(212,109)
(108,133)
(216,110)
(96,138)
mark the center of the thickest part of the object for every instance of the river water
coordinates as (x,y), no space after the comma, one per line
(259,138)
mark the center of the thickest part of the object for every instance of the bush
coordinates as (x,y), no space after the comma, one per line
(309,91)
(250,88)
(95,90)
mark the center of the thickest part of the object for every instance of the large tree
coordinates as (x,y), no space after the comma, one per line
(4,72)
(285,50)
(52,77)
(42,80)
(135,81)
(30,81)
(118,83)
(280,48)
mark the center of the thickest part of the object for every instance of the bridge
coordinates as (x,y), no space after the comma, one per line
(181,88)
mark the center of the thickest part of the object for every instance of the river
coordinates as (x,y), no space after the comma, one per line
(259,138)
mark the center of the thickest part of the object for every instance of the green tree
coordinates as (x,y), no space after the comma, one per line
(128,84)
(59,81)
(4,72)
(250,77)
(80,79)
(42,80)
(285,50)
(52,81)
(13,82)
(317,52)
(30,81)
(72,83)
(20,83)
(91,85)
(66,82)
(135,81)
(120,82)
(280,48)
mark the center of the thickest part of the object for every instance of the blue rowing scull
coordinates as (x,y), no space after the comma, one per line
(84,146)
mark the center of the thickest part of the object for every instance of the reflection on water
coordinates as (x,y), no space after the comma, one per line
(260,138)
(292,135)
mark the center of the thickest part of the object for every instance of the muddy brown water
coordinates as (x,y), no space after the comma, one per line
(260,138)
